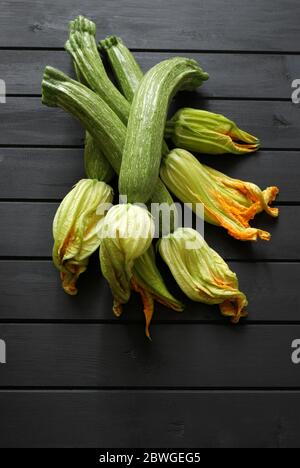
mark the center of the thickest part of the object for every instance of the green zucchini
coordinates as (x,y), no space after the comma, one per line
(83,49)
(126,69)
(145,128)
(59,90)
(91,72)
(96,165)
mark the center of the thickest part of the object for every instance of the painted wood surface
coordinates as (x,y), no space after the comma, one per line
(77,376)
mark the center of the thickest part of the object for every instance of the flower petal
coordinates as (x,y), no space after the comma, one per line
(205,132)
(228,202)
(74,229)
(201,273)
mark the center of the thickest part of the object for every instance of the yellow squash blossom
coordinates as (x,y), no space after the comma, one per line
(126,233)
(230,203)
(75,229)
(201,273)
(205,132)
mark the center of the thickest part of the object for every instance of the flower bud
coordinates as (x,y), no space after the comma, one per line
(230,203)
(205,132)
(126,233)
(75,229)
(201,273)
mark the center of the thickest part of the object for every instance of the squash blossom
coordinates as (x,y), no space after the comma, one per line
(125,234)
(228,202)
(148,282)
(205,132)
(201,273)
(75,229)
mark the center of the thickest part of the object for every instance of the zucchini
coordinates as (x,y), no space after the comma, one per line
(145,129)
(82,47)
(126,69)
(91,72)
(96,165)
(59,90)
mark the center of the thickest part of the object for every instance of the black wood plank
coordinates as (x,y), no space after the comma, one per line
(269,25)
(118,354)
(230,74)
(39,173)
(150,419)
(26,230)
(25,121)
(32,291)
(190,355)
(48,173)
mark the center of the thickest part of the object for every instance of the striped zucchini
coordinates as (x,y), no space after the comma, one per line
(59,90)
(126,69)
(145,129)
(96,165)
(90,71)
(83,49)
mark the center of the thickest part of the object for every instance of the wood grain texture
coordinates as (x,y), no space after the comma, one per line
(30,290)
(113,355)
(149,419)
(25,121)
(269,25)
(22,71)
(43,173)
(39,173)
(26,230)
(49,173)
(70,364)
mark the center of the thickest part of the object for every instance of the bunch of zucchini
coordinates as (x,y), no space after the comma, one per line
(125,130)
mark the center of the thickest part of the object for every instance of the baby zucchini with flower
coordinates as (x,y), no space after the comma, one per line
(126,233)
(205,132)
(201,273)
(75,229)
(230,203)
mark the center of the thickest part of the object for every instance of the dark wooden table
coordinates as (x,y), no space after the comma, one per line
(75,375)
